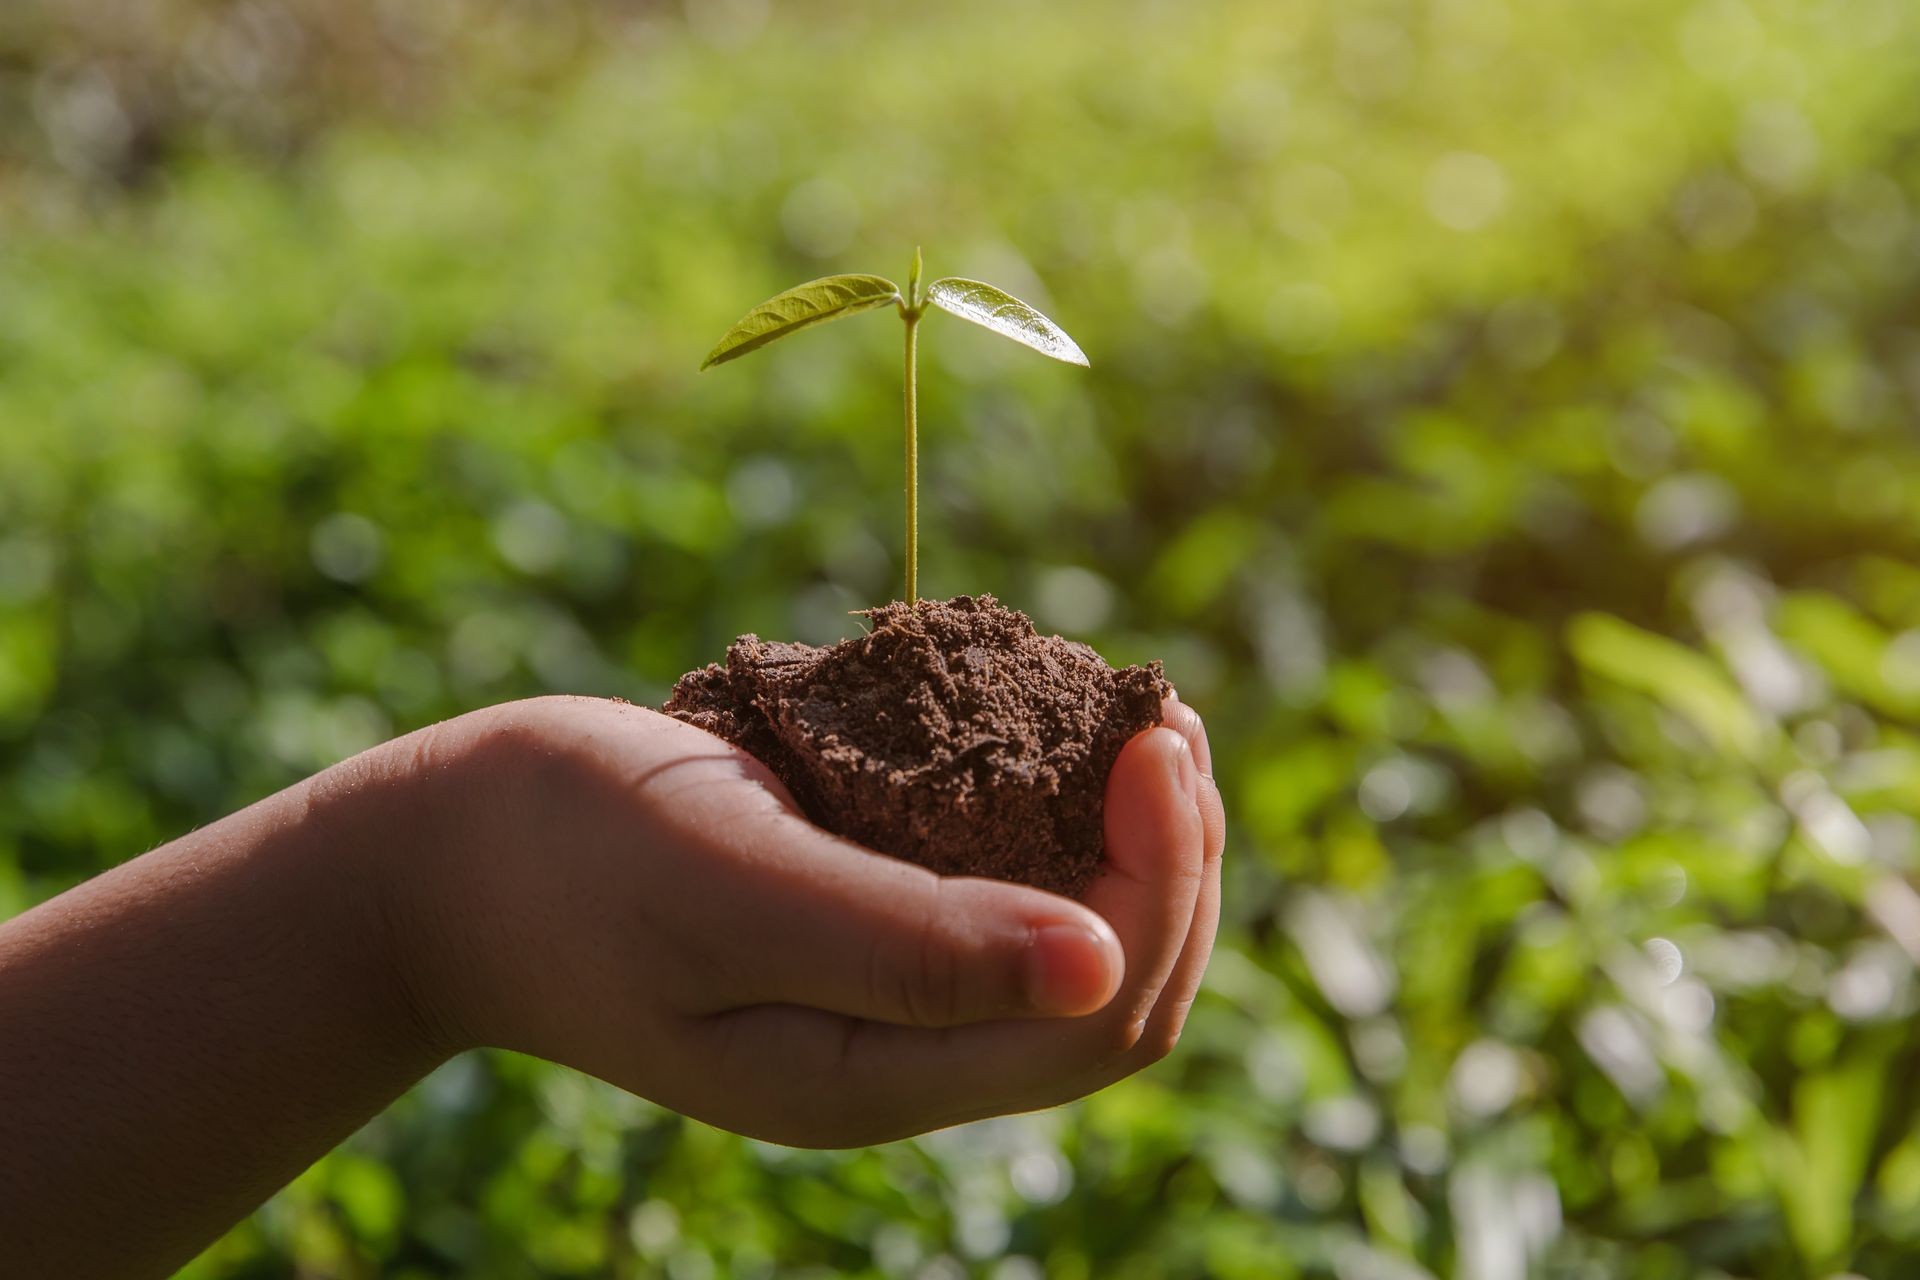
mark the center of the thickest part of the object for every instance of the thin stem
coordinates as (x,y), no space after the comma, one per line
(913,465)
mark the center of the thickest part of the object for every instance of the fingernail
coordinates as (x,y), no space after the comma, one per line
(1186,773)
(1066,969)
(1202,749)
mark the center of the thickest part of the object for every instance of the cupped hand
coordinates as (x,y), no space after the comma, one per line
(638,899)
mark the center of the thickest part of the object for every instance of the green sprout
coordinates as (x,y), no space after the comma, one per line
(832,297)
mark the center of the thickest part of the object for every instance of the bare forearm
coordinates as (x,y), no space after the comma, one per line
(181,1036)
(579,879)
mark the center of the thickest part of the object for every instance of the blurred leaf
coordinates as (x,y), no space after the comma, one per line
(1196,566)
(1686,681)
(1891,588)
(28,665)
(801,307)
(1822,1163)
(1853,652)
(368,1194)
(1006,315)
(1286,788)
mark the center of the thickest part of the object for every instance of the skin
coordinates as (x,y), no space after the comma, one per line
(583,880)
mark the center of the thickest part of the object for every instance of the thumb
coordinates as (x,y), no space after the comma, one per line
(845,929)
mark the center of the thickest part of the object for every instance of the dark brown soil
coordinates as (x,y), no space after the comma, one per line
(952,735)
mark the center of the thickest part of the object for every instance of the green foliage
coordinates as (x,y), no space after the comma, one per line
(801,307)
(1503,431)
(1676,675)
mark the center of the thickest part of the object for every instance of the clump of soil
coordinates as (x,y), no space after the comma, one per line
(952,735)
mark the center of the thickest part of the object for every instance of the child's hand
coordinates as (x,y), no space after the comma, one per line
(579,879)
(636,898)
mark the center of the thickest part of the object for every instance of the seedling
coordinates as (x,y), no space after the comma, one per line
(832,297)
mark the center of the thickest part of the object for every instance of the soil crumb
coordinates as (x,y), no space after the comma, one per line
(952,735)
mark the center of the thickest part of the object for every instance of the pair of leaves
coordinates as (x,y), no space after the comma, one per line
(832,297)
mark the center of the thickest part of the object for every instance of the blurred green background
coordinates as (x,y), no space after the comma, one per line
(1502,422)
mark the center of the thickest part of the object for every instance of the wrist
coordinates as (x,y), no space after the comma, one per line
(393,822)
(469,921)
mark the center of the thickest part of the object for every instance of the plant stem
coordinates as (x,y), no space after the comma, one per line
(913,464)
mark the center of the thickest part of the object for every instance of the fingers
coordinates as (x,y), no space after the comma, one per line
(840,928)
(1164,1005)
(864,1081)
(1155,855)
(1185,721)
(1174,1000)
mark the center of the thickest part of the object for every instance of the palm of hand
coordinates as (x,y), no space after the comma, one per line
(690,936)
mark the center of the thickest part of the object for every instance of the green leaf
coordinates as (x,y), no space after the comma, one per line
(1006,315)
(1686,681)
(1851,648)
(804,305)
(1819,1166)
